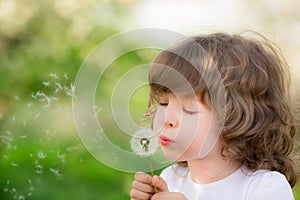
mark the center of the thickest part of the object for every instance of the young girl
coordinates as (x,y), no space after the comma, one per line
(231,139)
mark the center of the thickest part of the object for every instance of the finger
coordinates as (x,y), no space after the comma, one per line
(142,187)
(136,194)
(160,184)
(143,177)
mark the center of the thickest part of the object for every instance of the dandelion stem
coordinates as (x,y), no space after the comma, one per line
(151,170)
(150,165)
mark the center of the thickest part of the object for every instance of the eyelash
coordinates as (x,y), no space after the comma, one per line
(163,104)
(184,110)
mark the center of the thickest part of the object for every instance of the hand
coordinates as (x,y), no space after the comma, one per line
(163,191)
(142,188)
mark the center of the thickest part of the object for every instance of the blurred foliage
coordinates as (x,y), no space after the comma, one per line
(42,45)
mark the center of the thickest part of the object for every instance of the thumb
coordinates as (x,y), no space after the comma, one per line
(160,184)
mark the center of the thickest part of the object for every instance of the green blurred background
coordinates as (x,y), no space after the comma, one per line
(42,45)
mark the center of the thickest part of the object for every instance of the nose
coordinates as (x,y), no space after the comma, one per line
(171,118)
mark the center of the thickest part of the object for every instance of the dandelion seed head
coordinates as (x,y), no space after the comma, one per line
(144,142)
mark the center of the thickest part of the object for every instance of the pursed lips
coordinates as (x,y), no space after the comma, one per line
(165,141)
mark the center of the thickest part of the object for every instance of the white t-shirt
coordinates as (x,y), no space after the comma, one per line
(240,185)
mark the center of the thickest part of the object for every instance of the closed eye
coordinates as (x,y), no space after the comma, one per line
(163,104)
(189,111)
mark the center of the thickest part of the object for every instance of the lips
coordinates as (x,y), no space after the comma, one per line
(164,141)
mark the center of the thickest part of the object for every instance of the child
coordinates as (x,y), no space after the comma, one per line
(231,139)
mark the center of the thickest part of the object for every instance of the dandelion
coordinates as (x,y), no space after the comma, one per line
(144,143)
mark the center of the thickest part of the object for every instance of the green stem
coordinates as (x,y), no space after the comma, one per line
(151,170)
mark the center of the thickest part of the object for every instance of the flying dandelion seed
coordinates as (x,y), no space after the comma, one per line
(56,172)
(54,76)
(37,115)
(71,91)
(41,155)
(17,98)
(144,142)
(58,87)
(46,83)
(6,188)
(66,76)
(13,118)
(14,165)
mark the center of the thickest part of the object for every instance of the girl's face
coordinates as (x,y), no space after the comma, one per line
(187,128)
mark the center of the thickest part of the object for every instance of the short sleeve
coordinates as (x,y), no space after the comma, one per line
(269,185)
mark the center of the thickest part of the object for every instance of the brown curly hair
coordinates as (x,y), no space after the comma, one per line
(259,125)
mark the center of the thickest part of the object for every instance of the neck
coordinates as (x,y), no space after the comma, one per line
(211,168)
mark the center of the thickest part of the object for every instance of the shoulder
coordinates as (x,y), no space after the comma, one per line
(266,184)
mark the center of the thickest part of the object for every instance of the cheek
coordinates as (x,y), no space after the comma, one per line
(188,132)
(207,137)
(195,133)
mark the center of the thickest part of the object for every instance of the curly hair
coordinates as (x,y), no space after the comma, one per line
(259,124)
